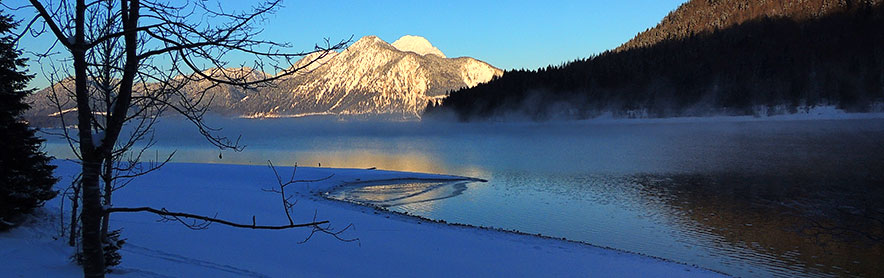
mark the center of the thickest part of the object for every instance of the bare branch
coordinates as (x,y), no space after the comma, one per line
(120,34)
(287,205)
(182,215)
(329,231)
(62,38)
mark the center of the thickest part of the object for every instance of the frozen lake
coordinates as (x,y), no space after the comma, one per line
(749,198)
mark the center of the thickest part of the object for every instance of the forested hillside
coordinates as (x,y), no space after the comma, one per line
(704,58)
(696,17)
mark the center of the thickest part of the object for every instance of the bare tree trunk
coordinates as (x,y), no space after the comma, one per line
(108,188)
(75,207)
(93,265)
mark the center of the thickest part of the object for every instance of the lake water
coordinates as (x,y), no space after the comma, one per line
(748,198)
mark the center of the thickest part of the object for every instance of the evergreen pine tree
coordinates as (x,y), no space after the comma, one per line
(25,174)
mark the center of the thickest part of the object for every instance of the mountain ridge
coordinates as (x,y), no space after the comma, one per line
(369,78)
(372,77)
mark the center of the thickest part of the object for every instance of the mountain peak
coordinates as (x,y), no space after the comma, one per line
(417,44)
(369,41)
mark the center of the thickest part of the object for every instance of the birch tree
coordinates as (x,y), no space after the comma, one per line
(125,63)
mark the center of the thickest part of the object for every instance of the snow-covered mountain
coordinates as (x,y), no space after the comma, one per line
(368,79)
(371,77)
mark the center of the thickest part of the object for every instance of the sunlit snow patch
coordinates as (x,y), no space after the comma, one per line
(398,193)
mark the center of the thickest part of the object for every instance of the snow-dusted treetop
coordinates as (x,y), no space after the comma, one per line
(417,44)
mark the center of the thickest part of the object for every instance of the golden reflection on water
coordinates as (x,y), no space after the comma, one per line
(408,161)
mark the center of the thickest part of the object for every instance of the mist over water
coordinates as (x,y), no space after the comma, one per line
(749,198)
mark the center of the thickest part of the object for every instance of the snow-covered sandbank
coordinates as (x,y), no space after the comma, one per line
(389,245)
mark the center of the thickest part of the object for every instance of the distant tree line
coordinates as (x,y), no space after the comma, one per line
(783,62)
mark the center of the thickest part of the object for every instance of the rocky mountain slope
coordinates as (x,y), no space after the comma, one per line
(371,77)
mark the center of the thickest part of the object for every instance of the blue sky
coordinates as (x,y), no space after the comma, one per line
(506,34)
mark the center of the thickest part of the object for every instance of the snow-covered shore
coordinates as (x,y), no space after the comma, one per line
(389,245)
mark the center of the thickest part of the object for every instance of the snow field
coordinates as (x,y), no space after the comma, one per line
(389,245)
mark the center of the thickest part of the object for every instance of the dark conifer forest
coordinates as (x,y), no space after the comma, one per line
(25,171)
(753,57)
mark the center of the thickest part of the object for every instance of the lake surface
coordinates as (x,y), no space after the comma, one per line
(801,198)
